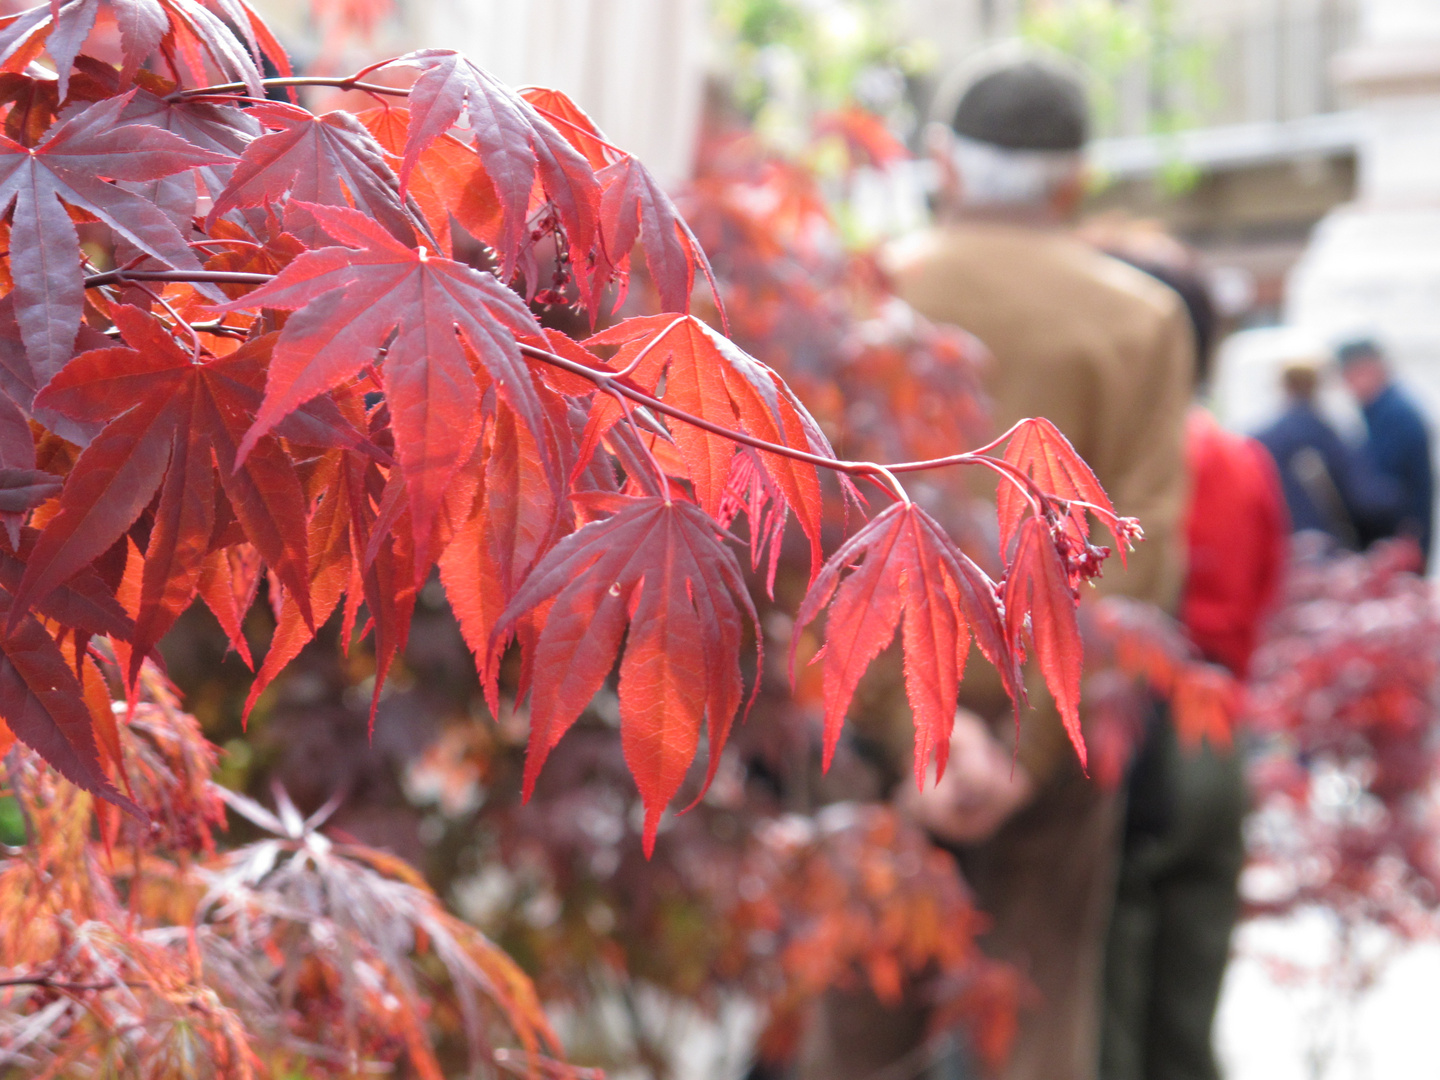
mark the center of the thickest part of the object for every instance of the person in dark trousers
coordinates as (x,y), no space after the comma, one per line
(1328,486)
(1176,895)
(1398,440)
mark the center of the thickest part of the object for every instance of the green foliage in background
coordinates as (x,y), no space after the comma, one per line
(12,823)
(789,59)
(1117,42)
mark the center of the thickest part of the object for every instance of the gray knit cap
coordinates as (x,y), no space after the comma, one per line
(1028,103)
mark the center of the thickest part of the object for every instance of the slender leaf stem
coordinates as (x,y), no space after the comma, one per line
(223,277)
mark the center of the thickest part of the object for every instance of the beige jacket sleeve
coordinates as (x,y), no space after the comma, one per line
(1141,462)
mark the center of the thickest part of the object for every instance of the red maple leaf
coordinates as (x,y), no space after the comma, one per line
(902,562)
(208,125)
(660,568)
(44,707)
(710,377)
(84,603)
(350,299)
(1040,604)
(448,179)
(332,570)
(516,144)
(501,524)
(330,160)
(633,206)
(174,425)
(1043,453)
(70,165)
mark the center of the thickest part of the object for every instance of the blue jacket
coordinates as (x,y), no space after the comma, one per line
(1327,485)
(1399,447)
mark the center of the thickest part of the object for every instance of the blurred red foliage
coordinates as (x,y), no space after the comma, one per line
(1347,779)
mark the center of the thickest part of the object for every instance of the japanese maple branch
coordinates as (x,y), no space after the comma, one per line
(610,382)
(352,82)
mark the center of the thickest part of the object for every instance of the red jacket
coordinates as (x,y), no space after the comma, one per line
(1236,531)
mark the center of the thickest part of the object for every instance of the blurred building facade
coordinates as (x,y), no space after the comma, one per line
(636,66)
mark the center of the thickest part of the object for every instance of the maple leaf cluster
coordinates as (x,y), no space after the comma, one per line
(141,952)
(1343,691)
(244,352)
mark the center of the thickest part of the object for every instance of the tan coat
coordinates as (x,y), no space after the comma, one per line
(1105,353)
(1099,348)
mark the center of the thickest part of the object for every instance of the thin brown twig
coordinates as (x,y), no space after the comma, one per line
(222,277)
(608,382)
(352,82)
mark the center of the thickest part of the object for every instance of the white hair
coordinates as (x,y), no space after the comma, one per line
(992,176)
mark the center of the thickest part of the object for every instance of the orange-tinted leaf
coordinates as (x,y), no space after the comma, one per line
(523,511)
(350,300)
(229,578)
(330,570)
(902,563)
(660,568)
(447,179)
(570,121)
(1206,701)
(1042,451)
(867,135)
(709,377)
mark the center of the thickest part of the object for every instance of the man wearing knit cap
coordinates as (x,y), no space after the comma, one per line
(1105,352)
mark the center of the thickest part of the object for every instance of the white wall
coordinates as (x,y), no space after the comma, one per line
(636,66)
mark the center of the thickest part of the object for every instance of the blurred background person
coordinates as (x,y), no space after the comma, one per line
(1177,896)
(1105,353)
(1397,440)
(1328,486)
